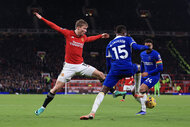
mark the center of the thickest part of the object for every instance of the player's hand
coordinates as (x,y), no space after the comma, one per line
(144,74)
(37,15)
(150,46)
(105,35)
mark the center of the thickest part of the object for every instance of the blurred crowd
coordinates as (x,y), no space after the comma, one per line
(21,66)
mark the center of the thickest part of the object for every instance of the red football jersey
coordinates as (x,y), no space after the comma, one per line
(74,43)
(129,81)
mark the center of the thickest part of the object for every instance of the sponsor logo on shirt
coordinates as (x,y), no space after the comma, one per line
(148,63)
(77,44)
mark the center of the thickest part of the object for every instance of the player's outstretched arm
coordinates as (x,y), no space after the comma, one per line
(49,23)
(93,38)
(140,47)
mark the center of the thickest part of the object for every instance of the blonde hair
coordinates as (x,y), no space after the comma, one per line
(80,23)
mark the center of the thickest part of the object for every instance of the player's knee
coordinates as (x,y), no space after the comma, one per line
(143,89)
(101,76)
(98,74)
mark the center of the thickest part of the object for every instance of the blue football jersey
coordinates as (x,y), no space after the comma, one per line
(118,59)
(151,62)
(119,50)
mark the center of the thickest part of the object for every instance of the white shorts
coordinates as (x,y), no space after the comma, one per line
(69,70)
(128,87)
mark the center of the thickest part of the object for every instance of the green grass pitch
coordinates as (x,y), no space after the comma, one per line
(65,111)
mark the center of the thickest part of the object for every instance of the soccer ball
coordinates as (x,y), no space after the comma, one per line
(150,102)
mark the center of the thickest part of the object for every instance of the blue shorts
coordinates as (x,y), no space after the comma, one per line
(115,75)
(150,81)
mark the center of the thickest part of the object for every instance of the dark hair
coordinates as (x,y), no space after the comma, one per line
(80,23)
(120,29)
(148,41)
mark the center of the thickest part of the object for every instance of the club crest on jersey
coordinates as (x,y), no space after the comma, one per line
(62,74)
(82,39)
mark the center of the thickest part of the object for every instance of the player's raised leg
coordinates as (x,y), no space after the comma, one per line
(98,74)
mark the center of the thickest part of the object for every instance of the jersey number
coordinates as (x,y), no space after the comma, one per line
(149,80)
(120,50)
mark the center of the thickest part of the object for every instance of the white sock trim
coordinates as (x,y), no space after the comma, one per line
(43,107)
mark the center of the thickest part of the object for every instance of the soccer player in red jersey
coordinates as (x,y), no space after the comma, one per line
(74,63)
(128,85)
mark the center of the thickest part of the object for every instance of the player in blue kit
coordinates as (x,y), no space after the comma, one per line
(151,66)
(119,65)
